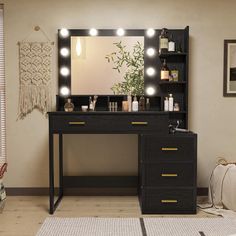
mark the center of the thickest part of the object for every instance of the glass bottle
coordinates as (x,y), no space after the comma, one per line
(69,106)
(147,104)
(163,41)
(171,44)
(165,73)
(141,103)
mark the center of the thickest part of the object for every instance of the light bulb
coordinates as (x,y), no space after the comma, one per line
(64,32)
(150,52)
(93,32)
(64,71)
(64,91)
(150,71)
(150,33)
(64,52)
(120,32)
(78,47)
(150,91)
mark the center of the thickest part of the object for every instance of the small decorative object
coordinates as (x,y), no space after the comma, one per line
(141,103)
(133,64)
(69,106)
(176,106)
(2,196)
(163,41)
(84,108)
(174,75)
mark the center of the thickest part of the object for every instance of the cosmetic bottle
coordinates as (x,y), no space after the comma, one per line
(141,104)
(135,104)
(171,102)
(90,104)
(147,104)
(166,104)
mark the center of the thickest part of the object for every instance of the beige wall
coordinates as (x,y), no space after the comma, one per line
(211,115)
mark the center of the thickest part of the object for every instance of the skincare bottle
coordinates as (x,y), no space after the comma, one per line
(69,106)
(135,104)
(171,102)
(147,104)
(171,44)
(129,99)
(166,104)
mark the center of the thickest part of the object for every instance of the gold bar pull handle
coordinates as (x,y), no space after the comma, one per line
(76,123)
(169,149)
(169,175)
(139,123)
(169,201)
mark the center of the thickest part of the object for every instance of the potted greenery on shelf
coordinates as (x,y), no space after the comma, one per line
(132,63)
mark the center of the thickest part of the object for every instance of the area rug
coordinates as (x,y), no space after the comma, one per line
(138,227)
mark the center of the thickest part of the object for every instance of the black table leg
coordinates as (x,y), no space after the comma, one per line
(60,165)
(51,174)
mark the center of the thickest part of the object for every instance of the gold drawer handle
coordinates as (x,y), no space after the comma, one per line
(169,149)
(76,123)
(168,201)
(139,122)
(169,175)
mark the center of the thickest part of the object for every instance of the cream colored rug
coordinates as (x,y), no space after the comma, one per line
(138,227)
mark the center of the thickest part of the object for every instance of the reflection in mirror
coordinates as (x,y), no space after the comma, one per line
(230,68)
(94,64)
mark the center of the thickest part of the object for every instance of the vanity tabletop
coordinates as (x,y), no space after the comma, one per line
(108,113)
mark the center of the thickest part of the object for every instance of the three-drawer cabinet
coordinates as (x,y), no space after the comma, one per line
(167,167)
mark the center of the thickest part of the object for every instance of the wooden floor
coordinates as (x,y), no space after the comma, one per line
(23,216)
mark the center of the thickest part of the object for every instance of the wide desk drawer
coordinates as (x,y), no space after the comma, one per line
(169,174)
(171,201)
(109,123)
(169,148)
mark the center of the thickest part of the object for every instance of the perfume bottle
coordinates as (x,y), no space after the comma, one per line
(69,106)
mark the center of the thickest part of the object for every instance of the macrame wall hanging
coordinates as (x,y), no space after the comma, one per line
(35,64)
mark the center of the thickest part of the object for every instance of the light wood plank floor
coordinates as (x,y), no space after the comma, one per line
(23,216)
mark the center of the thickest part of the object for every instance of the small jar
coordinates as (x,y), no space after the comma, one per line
(69,106)
(176,106)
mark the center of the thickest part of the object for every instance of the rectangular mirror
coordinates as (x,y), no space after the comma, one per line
(99,65)
(229,68)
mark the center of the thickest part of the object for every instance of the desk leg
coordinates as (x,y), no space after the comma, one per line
(60,165)
(51,173)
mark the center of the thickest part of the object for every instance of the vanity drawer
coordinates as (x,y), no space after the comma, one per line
(169,148)
(111,123)
(168,174)
(169,201)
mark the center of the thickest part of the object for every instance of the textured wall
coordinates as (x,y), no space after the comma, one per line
(211,115)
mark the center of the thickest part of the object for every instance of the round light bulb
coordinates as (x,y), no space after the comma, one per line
(120,32)
(150,32)
(150,91)
(64,91)
(93,32)
(150,71)
(64,71)
(64,52)
(150,52)
(64,33)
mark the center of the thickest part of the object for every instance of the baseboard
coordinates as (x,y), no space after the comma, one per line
(84,191)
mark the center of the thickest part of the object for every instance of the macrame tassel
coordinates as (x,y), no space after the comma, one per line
(32,96)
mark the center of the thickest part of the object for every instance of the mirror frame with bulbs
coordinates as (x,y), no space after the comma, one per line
(64,59)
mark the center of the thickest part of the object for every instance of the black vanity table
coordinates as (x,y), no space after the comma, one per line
(167,162)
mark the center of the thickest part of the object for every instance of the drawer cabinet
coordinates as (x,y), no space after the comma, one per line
(167,167)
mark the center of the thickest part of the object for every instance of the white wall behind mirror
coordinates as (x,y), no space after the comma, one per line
(91,73)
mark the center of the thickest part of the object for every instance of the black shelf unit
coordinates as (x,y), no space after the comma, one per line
(175,60)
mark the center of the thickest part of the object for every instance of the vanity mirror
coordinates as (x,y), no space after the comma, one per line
(85,69)
(229,68)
